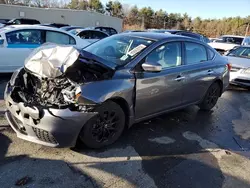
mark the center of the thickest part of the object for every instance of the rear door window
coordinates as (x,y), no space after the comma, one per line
(24,37)
(210,54)
(59,38)
(85,35)
(195,53)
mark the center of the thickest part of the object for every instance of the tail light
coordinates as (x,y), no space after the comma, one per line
(229,66)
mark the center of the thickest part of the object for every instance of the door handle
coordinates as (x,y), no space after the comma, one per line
(210,72)
(179,78)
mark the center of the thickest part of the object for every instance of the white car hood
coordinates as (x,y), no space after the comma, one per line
(222,46)
(50,61)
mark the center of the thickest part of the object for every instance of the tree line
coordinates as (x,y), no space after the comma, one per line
(145,18)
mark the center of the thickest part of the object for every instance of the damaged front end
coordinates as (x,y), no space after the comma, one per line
(44,99)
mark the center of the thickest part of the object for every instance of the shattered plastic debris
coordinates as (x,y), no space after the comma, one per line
(51,61)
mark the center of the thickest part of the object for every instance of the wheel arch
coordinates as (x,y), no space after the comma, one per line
(125,107)
(220,84)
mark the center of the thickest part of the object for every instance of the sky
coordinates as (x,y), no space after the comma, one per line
(194,8)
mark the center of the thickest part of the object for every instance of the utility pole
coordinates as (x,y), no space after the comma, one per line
(143,23)
(247,29)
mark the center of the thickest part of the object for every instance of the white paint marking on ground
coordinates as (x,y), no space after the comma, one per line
(241,125)
(236,168)
(162,140)
(120,167)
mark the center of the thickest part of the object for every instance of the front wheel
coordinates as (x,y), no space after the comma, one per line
(211,97)
(105,128)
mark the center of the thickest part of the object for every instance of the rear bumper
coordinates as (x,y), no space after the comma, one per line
(49,127)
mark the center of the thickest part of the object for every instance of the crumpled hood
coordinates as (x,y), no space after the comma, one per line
(50,60)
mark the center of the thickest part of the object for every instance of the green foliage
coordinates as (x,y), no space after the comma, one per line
(114,9)
(96,5)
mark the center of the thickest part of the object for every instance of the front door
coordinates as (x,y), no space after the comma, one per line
(160,91)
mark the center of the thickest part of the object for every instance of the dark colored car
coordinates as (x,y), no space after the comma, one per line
(132,31)
(56,25)
(68,28)
(183,33)
(109,30)
(4,21)
(22,21)
(91,35)
(96,93)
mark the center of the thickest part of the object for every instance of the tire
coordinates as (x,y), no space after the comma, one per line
(105,128)
(211,97)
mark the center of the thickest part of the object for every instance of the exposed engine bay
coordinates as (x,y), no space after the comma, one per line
(39,87)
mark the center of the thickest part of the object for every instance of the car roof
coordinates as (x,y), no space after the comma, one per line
(19,27)
(237,36)
(23,26)
(152,35)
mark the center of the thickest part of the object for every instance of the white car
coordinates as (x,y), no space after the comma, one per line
(17,42)
(228,42)
(240,62)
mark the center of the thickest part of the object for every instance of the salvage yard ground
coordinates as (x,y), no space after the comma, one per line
(187,148)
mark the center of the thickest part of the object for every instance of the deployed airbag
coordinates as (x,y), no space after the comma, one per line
(51,61)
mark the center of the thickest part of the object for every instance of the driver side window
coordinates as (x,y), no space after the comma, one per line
(168,55)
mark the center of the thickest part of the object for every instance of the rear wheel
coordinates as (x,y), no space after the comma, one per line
(211,97)
(105,128)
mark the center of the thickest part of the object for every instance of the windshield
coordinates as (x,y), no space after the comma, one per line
(233,40)
(243,52)
(119,49)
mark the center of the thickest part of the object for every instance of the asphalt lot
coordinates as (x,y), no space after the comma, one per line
(187,148)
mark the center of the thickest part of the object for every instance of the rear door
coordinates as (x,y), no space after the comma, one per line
(199,71)
(18,45)
(160,91)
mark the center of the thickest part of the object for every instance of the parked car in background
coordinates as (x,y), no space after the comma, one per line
(109,30)
(228,42)
(56,25)
(240,61)
(3,21)
(21,21)
(182,33)
(131,31)
(17,42)
(68,28)
(213,39)
(91,35)
(110,85)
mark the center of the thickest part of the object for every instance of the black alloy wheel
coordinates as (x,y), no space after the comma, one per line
(105,128)
(211,97)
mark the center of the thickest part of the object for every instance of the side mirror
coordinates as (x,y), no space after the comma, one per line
(1,41)
(151,67)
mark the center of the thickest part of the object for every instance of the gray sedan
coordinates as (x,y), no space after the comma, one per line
(240,61)
(62,95)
